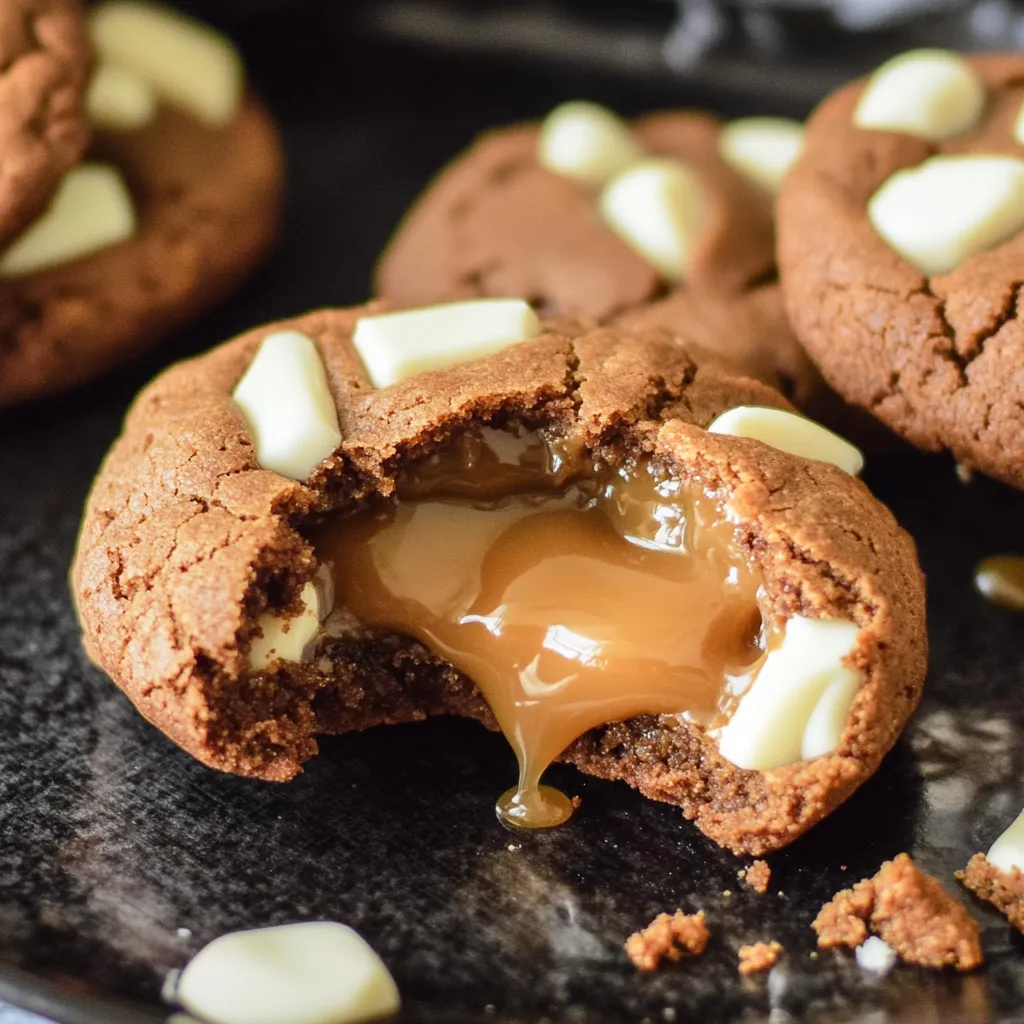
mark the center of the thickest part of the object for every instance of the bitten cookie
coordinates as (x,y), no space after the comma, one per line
(178,201)
(666,222)
(45,61)
(288,535)
(900,249)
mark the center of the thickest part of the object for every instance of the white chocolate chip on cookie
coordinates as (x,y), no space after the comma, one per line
(931,94)
(777,719)
(950,208)
(187,63)
(1007,852)
(762,149)
(657,207)
(91,210)
(288,405)
(317,972)
(789,433)
(586,142)
(119,100)
(396,346)
(288,638)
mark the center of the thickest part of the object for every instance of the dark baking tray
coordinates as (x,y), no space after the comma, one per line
(120,856)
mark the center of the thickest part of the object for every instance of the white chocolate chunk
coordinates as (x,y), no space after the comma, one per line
(1018,127)
(875,956)
(950,208)
(931,94)
(789,433)
(825,727)
(762,149)
(396,346)
(119,100)
(91,210)
(288,639)
(586,142)
(288,405)
(768,728)
(657,207)
(312,973)
(1007,852)
(187,63)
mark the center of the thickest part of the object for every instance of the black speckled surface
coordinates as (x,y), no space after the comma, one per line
(119,856)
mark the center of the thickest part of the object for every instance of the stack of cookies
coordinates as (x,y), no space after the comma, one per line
(559,475)
(141,182)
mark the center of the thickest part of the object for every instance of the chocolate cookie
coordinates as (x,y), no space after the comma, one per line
(520,213)
(45,61)
(233,573)
(900,245)
(185,201)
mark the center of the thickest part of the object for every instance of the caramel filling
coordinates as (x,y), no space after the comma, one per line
(573,593)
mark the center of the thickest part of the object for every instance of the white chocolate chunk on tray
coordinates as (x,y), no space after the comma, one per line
(586,142)
(119,100)
(187,63)
(762,149)
(1007,852)
(657,208)
(316,972)
(949,208)
(397,346)
(789,433)
(777,718)
(931,94)
(91,211)
(288,405)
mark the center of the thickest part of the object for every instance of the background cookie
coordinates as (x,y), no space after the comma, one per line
(935,353)
(192,203)
(45,59)
(498,222)
(189,544)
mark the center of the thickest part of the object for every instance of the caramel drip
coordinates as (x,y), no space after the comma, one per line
(1000,578)
(572,594)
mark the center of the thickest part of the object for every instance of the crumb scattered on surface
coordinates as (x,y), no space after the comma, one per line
(761,956)
(813,954)
(577,802)
(727,892)
(668,937)
(1004,890)
(909,910)
(757,876)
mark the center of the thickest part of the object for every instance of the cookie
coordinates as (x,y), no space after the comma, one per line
(899,251)
(227,575)
(45,60)
(182,194)
(548,211)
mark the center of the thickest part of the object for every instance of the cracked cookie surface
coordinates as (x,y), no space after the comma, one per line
(207,202)
(496,223)
(45,62)
(936,359)
(187,541)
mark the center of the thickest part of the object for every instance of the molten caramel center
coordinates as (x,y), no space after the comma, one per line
(572,593)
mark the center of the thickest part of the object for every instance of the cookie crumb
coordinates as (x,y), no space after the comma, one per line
(1004,890)
(668,937)
(813,954)
(727,893)
(757,876)
(669,1014)
(910,911)
(761,956)
(577,802)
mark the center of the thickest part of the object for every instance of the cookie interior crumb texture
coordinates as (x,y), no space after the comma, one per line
(668,937)
(1003,889)
(908,909)
(187,543)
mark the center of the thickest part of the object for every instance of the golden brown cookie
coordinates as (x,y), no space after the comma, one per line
(191,555)
(496,222)
(200,203)
(931,347)
(45,60)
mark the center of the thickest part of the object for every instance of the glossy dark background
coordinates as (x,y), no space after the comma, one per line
(120,857)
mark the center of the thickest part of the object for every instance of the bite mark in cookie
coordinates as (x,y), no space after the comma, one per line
(220,543)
